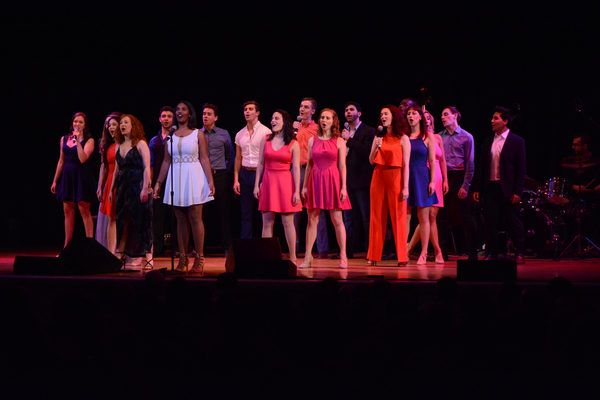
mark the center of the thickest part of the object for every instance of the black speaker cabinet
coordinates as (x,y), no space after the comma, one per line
(258,258)
(85,256)
(486,271)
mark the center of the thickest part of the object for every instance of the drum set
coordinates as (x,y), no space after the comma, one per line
(547,209)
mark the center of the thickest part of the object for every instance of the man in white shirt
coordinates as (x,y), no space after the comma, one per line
(247,142)
(499,181)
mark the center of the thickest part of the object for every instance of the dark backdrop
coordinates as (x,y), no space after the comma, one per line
(135,57)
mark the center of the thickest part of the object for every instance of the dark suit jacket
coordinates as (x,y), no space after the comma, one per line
(512,166)
(359,169)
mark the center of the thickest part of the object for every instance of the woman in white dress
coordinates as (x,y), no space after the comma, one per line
(192,183)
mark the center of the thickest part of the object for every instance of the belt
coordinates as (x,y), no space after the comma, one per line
(249,168)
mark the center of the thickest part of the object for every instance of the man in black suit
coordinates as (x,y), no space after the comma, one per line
(499,178)
(359,139)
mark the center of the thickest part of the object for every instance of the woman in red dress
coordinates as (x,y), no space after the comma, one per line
(279,191)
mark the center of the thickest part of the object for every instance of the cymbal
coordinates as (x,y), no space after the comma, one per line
(578,162)
(531,184)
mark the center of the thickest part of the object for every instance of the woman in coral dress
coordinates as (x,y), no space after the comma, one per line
(325,183)
(279,191)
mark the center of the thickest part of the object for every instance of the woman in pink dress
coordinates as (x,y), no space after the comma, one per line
(441,188)
(325,183)
(279,191)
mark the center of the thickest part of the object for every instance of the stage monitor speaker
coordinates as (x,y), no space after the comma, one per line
(486,271)
(41,266)
(85,256)
(258,258)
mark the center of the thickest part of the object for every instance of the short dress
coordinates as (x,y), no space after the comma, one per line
(323,189)
(439,191)
(107,208)
(77,181)
(418,182)
(189,182)
(129,186)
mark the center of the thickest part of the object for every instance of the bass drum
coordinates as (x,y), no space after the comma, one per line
(544,233)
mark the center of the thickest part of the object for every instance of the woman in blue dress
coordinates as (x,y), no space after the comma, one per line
(421,184)
(74,183)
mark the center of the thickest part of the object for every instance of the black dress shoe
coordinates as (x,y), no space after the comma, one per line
(472,256)
(520,259)
(490,257)
(391,256)
(322,255)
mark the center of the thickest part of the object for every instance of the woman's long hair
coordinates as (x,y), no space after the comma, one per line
(422,122)
(86,128)
(288,129)
(399,123)
(335,127)
(192,122)
(107,140)
(137,131)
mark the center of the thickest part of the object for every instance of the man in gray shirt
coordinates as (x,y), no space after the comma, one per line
(459,152)
(221,155)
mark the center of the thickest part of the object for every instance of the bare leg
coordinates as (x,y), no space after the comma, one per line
(408,217)
(69,211)
(433,235)
(311,235)
(423,214)
(268,222)
(416,237)
(183,228)
(337,218)
(290,234)
(195,215)
(88,222)
(111,234)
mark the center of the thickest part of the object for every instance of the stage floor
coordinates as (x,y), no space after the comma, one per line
(575,270)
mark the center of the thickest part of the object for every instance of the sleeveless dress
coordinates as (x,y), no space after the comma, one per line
(418,182)
(77,180)
(439,191)
(189,181)
(323,189)
(277,186)
(129,186)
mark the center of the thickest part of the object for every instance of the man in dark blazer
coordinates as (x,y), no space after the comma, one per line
(359,139)
(498,182)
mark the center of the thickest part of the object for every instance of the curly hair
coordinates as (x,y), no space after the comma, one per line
(335,127)
(107,140)
(399,124)
(288,129)
(137,131)
(86,128)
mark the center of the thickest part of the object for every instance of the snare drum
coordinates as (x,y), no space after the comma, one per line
(557,191)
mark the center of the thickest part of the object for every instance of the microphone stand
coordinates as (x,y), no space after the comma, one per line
(172,194)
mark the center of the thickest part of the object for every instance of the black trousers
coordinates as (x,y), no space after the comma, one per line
(496,206)
(221,203)
(455,208)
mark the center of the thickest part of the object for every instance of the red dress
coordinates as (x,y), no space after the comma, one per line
(277,186)
(106,207)
(323,189)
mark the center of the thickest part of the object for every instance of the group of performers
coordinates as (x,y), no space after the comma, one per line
(367,179)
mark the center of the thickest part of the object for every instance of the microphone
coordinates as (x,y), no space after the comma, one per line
(380,132)
(347,126)
(170,134)
(299,119)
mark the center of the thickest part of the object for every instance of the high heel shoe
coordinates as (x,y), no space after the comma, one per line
(149,264)
(122,258)
(307,263)
(439,258)
(371,263)
(422,259)
(344,262)
(198,266)
(183,262)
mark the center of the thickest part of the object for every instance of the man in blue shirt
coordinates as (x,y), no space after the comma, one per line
(459,152)
(157,154)
(221,155)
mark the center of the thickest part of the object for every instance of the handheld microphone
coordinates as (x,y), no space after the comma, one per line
(299,119)
(380,132)
(347,126)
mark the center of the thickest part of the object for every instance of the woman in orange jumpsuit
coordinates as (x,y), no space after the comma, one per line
(389,186)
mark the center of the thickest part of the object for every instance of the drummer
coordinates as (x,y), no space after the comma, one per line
(582,169)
